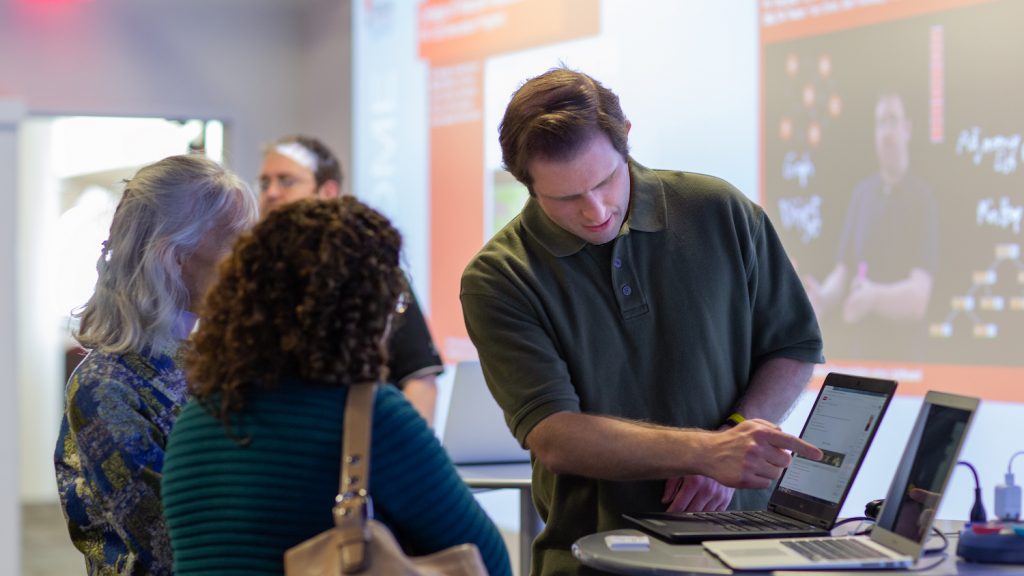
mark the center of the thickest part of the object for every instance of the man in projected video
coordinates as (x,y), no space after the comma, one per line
(888,251)
(627,319)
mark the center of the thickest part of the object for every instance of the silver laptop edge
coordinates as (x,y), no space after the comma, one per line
(475,431)
(889,538)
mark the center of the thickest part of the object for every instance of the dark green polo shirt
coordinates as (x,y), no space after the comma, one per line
(666,324)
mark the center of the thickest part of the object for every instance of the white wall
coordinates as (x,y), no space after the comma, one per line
(11,112)
(39,365)
(391,155)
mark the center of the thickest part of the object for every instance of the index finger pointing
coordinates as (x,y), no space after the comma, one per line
(797,446)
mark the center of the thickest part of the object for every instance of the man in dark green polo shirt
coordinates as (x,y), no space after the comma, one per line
(625,318)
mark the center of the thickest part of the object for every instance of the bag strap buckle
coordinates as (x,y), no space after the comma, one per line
(351,512)
(351,506)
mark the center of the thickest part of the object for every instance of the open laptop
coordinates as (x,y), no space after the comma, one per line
(809,495)
(475,431)
(905,521)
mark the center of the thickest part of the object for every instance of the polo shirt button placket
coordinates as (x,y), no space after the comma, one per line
(626,290)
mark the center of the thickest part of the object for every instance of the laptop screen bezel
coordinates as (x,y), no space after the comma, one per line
(814,510)
(894,540)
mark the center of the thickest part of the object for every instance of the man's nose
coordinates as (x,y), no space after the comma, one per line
(272,189)
(593,209)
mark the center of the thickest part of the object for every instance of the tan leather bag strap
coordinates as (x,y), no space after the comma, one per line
(352,505)
(355,451)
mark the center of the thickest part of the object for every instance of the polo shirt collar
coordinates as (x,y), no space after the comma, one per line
(647,213)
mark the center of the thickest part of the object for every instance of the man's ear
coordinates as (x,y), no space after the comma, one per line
(329,190)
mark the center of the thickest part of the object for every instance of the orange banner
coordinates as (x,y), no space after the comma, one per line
(457,198)
(456,36)
(461,30)
(788,20)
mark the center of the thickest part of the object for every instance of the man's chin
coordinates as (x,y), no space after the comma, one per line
(598,238)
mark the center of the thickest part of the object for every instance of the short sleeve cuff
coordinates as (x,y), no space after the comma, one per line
(532,414)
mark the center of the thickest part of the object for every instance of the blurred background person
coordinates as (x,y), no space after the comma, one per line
(174,222)
(300,313)
(888,252)
(297,167)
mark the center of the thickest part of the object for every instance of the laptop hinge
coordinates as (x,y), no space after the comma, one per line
(798,515)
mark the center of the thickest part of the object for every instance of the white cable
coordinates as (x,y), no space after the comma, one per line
(1008,494)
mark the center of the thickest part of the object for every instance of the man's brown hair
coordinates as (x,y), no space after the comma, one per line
(552,115)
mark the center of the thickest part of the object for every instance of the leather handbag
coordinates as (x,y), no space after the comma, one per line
(357,544)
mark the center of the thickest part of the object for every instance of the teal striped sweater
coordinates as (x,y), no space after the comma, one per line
(234,504)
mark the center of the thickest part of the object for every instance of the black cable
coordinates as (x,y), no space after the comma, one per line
(945,541)
(938,561)
(852,519)
(978,513)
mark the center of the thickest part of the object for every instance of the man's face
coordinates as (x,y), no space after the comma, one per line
(283,180)
(587,196)
(892,137)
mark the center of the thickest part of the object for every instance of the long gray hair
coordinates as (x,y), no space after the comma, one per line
(166,210)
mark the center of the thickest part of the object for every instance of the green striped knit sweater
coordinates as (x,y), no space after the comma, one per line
(235,503)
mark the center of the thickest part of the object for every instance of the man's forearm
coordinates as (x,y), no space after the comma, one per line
(751,455)
(774,389)
(613,449)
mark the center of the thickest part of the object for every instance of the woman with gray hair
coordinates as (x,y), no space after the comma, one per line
(176,220)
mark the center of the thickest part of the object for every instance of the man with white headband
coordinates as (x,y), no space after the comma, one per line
(297,167)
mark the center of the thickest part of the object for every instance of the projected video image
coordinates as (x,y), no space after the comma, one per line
(892,167)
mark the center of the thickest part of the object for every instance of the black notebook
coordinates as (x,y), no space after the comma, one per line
(809,495)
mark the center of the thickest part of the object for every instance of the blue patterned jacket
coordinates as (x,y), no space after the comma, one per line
(109,458)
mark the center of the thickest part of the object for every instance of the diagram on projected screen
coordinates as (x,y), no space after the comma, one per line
(994,293)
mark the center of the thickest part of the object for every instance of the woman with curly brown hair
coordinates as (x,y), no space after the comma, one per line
(300,313)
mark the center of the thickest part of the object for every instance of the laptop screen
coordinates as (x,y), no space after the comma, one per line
(841,426)
(842,423)
(924,471)
(475,431)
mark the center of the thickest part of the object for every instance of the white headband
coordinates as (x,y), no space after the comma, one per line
(299,154)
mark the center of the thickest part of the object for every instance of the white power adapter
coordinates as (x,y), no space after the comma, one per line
(1008,499)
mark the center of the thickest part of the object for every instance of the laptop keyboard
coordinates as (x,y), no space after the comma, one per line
(833,549)
(739,521)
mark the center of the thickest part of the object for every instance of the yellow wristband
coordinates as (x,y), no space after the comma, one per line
(734,419)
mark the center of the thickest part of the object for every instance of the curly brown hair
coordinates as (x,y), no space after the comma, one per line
(307,293)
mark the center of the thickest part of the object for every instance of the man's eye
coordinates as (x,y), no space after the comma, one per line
(287,182)
(264,183)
